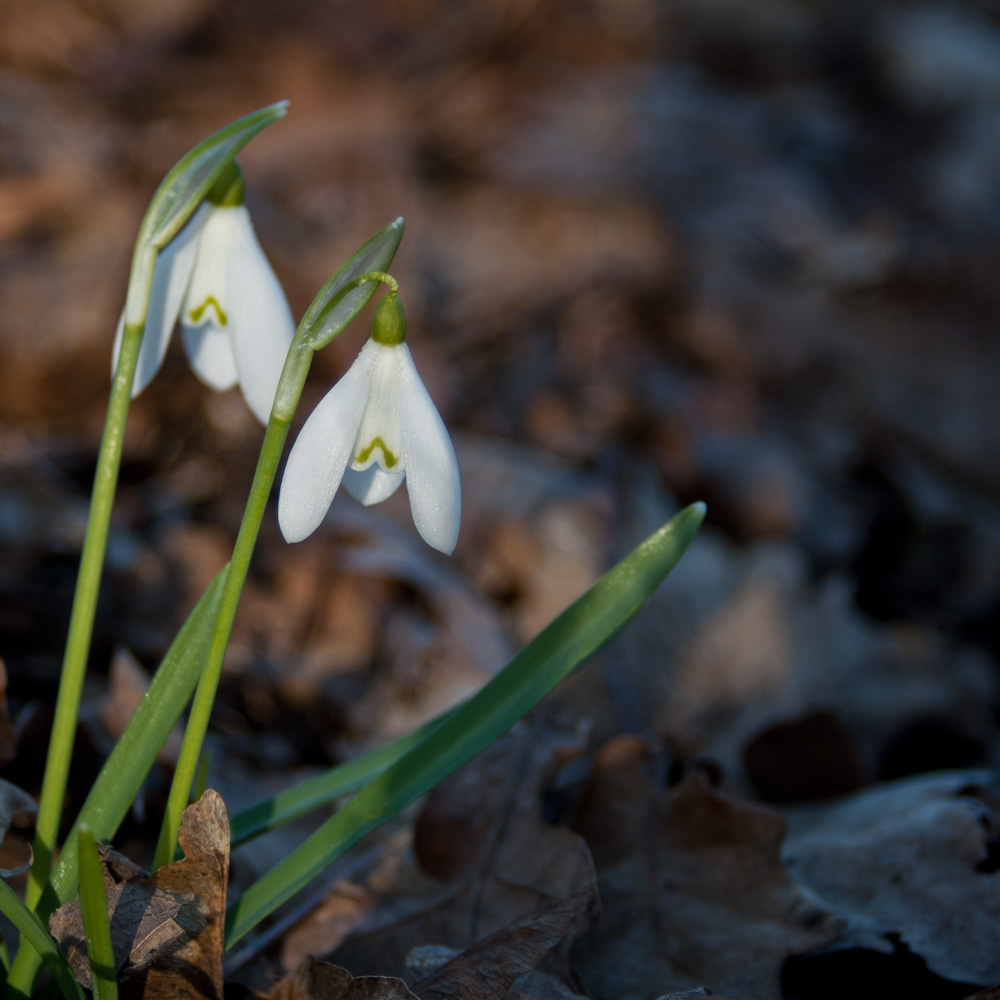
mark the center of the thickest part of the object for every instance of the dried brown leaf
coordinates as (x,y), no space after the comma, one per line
(487,969)
(537,985)
(314,980)
(692,886)
(913,858)
(166,928)
(495,860)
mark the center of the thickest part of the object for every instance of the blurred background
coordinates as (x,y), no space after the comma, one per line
(740,252)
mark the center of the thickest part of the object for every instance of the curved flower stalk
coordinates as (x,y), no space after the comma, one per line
(374,428)
(214,277)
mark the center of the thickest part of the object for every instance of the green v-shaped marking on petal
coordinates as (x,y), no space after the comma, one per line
(196,314)
(377,442)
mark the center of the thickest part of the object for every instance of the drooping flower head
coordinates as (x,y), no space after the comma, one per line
(214,277)
(374,428)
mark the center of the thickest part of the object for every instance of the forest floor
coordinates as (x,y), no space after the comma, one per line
(725,251)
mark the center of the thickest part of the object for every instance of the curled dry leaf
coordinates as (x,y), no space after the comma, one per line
(692,887)
(166,928)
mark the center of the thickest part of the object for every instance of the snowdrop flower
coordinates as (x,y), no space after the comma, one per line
(374,428)
(214,277)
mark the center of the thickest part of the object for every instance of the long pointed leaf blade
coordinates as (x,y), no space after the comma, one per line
(45,948)
(94,914)
(134,754)
(324,788)
(575,635)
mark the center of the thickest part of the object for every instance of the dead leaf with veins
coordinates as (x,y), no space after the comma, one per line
(166,928)
(488,968)
(315,980)
(692,886)
(495,862)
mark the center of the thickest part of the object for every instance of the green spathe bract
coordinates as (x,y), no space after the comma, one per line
(179,195)
(337,304)
(553,654)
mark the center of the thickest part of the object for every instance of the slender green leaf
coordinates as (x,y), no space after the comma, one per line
(324,788)
(38,937)
(96,924)
(336,304)
(116,787)
(179,195)
(575,635)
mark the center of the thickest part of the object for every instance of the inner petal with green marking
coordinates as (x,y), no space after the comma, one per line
(387,461)
(379,440)
(199,311)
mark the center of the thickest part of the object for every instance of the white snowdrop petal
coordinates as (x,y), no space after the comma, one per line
(260,322)
(209,349)
(170,280)
(205,299)
(321,452)
(429,460)
(373,485)
(379,438)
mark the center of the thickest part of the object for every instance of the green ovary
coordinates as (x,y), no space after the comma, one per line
(388,458)
(197,313)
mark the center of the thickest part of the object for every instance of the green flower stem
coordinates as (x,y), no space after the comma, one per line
(293,378)
(337,303)
(81,623)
